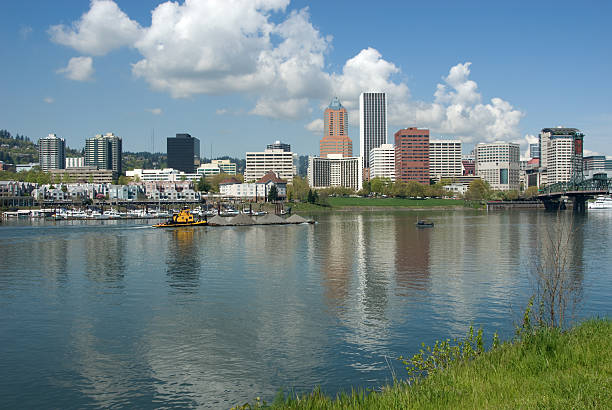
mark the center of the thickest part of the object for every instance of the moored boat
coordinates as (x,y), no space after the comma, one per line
(424,224)
(601,202)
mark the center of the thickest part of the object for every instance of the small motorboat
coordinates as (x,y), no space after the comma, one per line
(183,218)
(423,223)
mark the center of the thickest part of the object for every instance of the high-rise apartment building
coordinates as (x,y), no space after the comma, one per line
(105,152)
(335,170)
(336,139)
(498,164)
(372,124)
(560,154)
(445,159)
(260,163)
(382,162)
(279,145)
(51,153)
(412,155)
(183,153)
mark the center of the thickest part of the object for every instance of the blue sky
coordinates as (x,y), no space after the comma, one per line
(240,74)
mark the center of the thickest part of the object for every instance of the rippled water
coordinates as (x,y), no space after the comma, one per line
(115,313)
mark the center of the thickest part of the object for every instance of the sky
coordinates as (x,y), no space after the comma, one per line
(240,74)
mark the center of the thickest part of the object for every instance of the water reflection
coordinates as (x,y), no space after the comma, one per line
(412,256)
(105,257)
(183,259)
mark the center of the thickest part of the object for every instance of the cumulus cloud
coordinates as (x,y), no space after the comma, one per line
(48,100)
(102,29)
(218,47)
(155,111)
(78,69)
(316,126)
(221,111)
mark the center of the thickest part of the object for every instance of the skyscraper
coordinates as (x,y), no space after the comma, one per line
(372,124)
(104,152)
(412,155)
(51,152)
(560,154)
(183,153)
(336,139)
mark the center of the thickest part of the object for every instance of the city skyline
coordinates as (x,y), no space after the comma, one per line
(83,79)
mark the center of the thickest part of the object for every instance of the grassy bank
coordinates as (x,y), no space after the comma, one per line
(550,369)
(344,203)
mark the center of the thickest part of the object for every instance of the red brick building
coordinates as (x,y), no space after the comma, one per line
(412,155)
(336,139)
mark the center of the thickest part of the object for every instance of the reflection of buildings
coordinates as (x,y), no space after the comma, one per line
(411,258)
(183,261)
(105,257)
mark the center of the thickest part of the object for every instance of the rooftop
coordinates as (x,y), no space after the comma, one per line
(335,104)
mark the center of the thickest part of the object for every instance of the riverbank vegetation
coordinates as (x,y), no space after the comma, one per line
(543,368)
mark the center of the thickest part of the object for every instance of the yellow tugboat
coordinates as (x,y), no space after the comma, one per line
(183,218)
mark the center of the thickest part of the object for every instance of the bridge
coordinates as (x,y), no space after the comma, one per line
(578,191)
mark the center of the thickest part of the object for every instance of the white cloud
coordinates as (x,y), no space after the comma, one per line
(78,69)
(48,100)
(155,111)
(588,153)
(219,47)
(315,126)
(102,29)
(221,111)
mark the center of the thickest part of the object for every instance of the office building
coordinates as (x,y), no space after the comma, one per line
(51,153)
(382,162)
(104,152)
(75,162)
(89,174)
(560,154)
(498,164)
(534,150)
(445,159)
(284,163)
(279,145)
(335,171)
(412,155)
(372,124)
(216,167)
(183,153)
(336,139)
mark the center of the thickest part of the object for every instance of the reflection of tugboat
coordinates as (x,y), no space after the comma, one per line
(424,224)
(183,218)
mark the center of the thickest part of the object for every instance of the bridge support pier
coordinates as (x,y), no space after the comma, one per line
(579,204)
(553,204)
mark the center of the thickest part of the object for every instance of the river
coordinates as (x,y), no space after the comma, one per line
(115,313)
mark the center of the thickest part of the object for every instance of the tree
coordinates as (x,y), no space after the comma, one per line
(123,180)
(298,189)
(414,189)
(557,289)
(322,198)
(380,185)
(531,192)
(400,189)
(310,198)
(203,185)
(273,193)
(478,190)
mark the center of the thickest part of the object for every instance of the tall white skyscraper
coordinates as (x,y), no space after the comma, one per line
(372,124)
(51,152)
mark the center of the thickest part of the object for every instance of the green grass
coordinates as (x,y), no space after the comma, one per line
(337,203)
(550,369)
